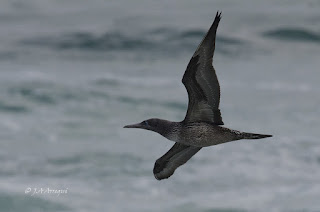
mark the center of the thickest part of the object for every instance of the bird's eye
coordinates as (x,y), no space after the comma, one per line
(146,123)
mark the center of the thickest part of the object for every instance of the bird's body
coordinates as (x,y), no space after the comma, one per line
(200,134)
(201,126)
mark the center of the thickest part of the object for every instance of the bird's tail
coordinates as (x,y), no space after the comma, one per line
(253,136)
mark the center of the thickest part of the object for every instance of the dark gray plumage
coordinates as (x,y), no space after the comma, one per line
(200,128)
(178,155)
(201,81)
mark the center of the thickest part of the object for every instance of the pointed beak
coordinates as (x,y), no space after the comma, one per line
(139,125)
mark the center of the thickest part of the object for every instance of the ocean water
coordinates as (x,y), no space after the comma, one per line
(73,73)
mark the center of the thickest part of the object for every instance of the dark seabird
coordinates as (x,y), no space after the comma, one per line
(201,125)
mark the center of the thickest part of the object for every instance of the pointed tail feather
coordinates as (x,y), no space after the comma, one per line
(254,136)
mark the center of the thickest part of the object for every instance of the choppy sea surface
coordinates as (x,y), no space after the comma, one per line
(73,73)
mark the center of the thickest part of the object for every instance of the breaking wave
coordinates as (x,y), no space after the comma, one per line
(293,34)
(158,41)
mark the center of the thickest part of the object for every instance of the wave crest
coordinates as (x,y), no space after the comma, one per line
(161,40)
(293,34)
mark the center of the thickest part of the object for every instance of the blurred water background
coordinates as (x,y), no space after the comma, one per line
(73,73)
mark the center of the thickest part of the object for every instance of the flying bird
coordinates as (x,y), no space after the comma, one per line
(201,126)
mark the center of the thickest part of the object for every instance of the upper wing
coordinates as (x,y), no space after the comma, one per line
(178,155)
(201,81)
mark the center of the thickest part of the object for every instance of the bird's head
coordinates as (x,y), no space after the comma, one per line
(150,124)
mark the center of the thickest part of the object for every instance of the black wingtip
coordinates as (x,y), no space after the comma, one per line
(217,19)
(158,168)
(219,14)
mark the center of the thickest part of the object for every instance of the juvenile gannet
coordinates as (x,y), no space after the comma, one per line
(201,125)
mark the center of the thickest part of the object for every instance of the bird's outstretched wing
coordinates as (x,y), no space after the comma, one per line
(178,155)
(201,81)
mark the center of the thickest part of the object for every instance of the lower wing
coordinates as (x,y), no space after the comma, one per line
(178,155)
